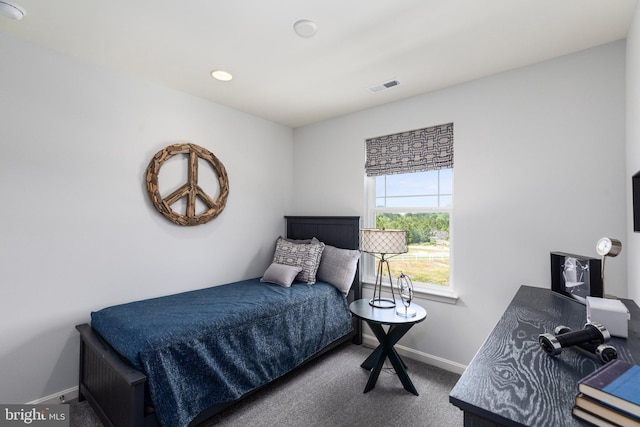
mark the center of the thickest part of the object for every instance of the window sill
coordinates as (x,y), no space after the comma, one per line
(446,295)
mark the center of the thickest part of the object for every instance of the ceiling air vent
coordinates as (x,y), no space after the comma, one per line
(383,86)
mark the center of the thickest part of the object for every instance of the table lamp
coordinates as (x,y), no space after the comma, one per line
(607,247)
(381,243)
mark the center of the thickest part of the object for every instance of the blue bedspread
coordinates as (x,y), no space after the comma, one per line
(214,345)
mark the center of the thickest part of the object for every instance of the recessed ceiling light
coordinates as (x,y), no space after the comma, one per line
(223,76)
(11,10)
(305,28)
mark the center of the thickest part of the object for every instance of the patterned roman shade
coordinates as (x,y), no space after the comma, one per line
(414,151)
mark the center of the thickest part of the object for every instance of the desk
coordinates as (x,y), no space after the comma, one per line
(399,325)
(512,381)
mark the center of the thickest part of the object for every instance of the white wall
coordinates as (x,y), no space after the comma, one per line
(540,157)
(77,229)
(539,167)
(633,149)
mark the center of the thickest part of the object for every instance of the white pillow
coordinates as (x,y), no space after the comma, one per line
(338,267)
(281,274)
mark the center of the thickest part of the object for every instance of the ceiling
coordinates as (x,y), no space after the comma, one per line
(424,44)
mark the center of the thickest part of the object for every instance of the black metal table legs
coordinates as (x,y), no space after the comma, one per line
(375,361)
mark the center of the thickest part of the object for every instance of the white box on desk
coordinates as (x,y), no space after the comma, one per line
(611,313)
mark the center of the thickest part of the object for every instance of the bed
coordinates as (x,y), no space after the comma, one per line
(178,360)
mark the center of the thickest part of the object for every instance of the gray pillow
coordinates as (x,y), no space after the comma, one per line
(338,267)
(280,274)
(307,256)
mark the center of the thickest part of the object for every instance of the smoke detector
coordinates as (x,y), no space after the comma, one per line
(12,10)
(305,28)
(384,86)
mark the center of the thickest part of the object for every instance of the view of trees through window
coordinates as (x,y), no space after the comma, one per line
(428,242)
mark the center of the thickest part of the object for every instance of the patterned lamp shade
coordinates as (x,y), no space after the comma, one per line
(381,241)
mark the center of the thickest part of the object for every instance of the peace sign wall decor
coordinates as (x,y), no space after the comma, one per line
(191,190)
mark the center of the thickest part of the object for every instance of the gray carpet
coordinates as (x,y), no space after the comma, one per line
(328,392)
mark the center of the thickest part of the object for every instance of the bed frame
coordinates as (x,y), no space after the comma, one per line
(116,390)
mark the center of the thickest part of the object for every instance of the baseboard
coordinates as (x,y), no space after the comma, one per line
(410,353)
(59,397)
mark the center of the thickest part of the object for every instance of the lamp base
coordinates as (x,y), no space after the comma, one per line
(382,302)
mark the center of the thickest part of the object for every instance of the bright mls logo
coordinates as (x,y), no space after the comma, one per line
(34,415)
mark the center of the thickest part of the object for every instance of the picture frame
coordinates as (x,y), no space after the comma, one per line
(576,276)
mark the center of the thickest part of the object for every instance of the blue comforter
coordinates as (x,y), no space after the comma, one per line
(214,345)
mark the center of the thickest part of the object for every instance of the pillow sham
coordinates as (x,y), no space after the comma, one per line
(303,255)
(338,267)
(280,274)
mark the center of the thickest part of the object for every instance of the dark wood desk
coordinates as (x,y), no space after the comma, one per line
(399,325)
(512,381)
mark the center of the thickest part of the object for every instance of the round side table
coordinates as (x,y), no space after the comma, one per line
(398,326)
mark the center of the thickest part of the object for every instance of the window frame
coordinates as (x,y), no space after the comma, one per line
(430,291)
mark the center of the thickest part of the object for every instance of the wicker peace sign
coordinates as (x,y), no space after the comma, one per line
(191,190)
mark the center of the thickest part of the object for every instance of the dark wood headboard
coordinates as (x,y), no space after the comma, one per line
(339,231)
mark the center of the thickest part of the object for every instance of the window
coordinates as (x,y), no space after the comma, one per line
(415,197)
(421,204)
(431,189)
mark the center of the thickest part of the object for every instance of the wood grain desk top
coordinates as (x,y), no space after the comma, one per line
(512,381)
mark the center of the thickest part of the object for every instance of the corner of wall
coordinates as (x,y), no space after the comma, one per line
(633,150)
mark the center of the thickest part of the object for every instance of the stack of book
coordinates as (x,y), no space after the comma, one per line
(610,396)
